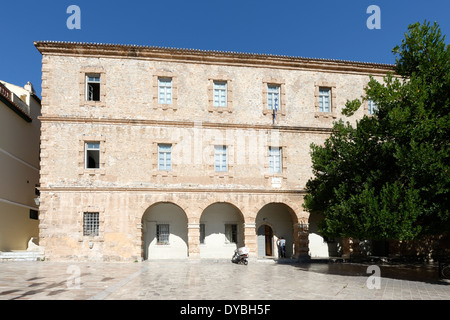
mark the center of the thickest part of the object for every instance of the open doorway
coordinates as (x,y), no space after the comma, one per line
(265,241)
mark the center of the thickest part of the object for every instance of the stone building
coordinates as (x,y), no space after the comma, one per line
(20,108)
(150,153)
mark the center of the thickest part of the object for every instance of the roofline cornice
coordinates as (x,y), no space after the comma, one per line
(208,57)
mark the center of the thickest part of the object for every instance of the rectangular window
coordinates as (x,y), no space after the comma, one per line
(202,233)
(231,233)
(165,157)
(372,107)
(275,159)
(324,99)
(162,234)
(165,90)
(90,224)
(92,155)
(93,87)
(220,94)
(220,159)
(273,97)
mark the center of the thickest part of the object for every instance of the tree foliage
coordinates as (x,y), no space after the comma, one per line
(388,177)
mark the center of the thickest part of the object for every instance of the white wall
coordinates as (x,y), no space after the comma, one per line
(166,213)
(215,217)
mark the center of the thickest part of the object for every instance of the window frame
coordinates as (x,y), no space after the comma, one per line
(271,101)
(97,82)
(220,155)
(275,158)
(222,93)
(322,97)
(165,166)
(87,149)
(162,84)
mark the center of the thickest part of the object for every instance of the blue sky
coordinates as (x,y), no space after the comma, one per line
(328,29)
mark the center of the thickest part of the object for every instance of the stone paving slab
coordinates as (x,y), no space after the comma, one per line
(205,280)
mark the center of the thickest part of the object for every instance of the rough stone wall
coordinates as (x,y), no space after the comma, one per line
(129,123)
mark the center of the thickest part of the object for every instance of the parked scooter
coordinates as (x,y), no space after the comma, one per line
(240,256)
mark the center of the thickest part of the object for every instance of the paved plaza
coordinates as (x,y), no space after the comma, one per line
(215,280)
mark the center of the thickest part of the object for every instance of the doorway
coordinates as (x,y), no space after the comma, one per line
(265,241)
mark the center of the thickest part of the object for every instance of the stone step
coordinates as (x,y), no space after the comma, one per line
(21,256)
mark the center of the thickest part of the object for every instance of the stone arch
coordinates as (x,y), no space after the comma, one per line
(221,230)
(164,231)
(283,221)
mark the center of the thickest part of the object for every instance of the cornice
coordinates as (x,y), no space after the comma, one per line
(209,57)
(167,190)
(184,124)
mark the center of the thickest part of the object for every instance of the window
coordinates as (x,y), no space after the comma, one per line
(92,155)
(220,94)
(372,107)
(324,99)
(202,233)
(220,159)
(93,87)
(231,233)
(273,96)
(165,157)
(162,234)
(165,90)
(90,224)
(34,214)
(275,159)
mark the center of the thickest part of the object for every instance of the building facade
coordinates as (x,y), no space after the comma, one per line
(153,153)
(19,166)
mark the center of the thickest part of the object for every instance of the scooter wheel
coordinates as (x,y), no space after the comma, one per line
(245,262)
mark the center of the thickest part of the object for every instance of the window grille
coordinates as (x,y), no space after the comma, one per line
(90,224)
(162,234)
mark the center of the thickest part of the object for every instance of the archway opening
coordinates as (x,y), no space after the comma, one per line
(221,230)
(164,232)
(273,221)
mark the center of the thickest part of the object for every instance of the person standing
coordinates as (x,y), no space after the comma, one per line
(282,246)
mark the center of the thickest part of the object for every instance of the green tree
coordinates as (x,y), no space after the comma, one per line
(388,177)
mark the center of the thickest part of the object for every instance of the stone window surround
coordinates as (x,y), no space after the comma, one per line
(284,161)
(101,222)
(83,83)
(230,156)
(155,90)
(154,160)
(282,105)
(220,78)
(82,170)
(332,86)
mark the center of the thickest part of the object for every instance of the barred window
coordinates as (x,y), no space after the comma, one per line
(162,234)
(90,224)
